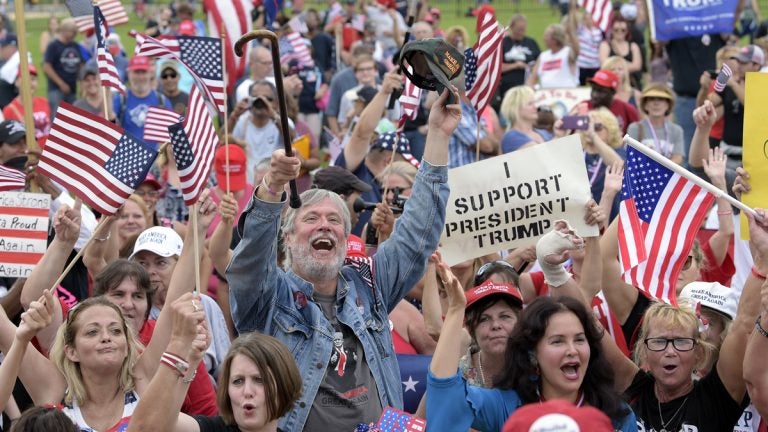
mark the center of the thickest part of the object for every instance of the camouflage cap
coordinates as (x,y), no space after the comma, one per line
(434,63)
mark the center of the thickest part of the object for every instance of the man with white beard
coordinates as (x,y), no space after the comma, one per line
(334,317)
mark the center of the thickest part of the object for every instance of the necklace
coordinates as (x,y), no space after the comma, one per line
(668,422)
(480,368)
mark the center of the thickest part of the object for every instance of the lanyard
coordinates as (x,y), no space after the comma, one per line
(593,174)
(657,143)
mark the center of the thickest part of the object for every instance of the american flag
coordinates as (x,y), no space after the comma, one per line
(157,122)
(600,11)
(410,99)
(660,214)
(392,420)
(94,158)
(200,55)
(82,12)
(232,18)
(11,179)
(107,70)
(482,64)
(194,142)
(292,47)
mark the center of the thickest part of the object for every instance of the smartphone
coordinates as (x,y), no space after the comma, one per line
(575,122)
(713,73)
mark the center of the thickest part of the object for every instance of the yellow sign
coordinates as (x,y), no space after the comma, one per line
(755,157)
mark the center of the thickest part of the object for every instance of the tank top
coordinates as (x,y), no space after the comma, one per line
(129,405)
(589,47)
(555,71)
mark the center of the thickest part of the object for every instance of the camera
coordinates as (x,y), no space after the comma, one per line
(396,205)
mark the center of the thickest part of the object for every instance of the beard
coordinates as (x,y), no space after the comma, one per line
(310,268)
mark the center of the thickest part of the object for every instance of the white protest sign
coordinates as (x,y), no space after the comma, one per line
(511,200)
(23,231)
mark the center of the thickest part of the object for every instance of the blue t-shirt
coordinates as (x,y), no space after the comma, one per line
(514,139)
(131,111)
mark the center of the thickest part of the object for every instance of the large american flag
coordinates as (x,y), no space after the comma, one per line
(157,122)
(660,214)
(11,179)
(94,158)
(482,66)
(194,142)
(600,11)
(107,70)
(82,12)
(200,55)
(233,19)
(409,99)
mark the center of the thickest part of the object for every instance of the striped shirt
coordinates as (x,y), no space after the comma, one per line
(461,145)
(589,45)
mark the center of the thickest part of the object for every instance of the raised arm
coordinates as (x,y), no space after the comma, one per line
(621,296)
(730,365)
(160,404)
(591,277)
(181,286)
(40,377)
(218,244)
(357,147)
(104,247)
(705,116)
(37,317)
(445,360)
(714,167)
(66,224)
(755,372)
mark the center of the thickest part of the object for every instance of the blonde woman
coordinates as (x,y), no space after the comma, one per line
(625,92)
(556,67)
(519,110)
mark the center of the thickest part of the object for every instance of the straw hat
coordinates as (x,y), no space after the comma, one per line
(657,90)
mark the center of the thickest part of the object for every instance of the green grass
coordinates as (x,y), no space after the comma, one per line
(453,13)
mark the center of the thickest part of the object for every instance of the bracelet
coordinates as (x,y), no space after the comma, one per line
(109,234)
(175,362)
(756,273)
(760,328)
(266,186)
(187,380)
(725,213)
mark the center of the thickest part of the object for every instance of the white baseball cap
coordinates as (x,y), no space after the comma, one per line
(712,295)
(159,240)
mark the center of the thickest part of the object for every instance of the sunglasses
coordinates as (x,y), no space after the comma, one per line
(481,272)
(169,75)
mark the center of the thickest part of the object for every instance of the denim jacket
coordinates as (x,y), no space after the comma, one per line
(265,298)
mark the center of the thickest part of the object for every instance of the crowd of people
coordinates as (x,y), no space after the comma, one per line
(289,319)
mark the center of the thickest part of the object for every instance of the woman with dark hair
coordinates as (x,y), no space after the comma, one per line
(553,353)
(259,383)
(46,419)
(619,43)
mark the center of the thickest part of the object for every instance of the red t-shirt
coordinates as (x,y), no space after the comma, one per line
(624,112)
(201,396)
(716,273)
(41,116)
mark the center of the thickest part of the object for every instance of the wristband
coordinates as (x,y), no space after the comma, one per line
(724,213)
(187,380)
(102,239)
(266,186)
(756,273)
(175,362)
(760,328)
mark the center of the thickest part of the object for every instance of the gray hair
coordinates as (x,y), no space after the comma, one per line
(264,83)
(311,198)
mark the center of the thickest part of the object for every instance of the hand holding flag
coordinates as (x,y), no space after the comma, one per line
(723,77)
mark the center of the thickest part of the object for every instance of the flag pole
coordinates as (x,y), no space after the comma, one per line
(195,239)
(224,80)
(717,192)
(79,253)
(104,96)
(26,95)
(477,139)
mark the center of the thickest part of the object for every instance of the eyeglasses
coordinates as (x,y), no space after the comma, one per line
(151,194)
(395,190)
(365,69)
(688,262)
(680,344)
(169,75)
(599,127)
(480,275)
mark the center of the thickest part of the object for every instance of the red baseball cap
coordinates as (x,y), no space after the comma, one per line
(489,288)
(606,78)
(139,63)
(152,180)
(355,247)
(187,28)
(237,167)
(557,416)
